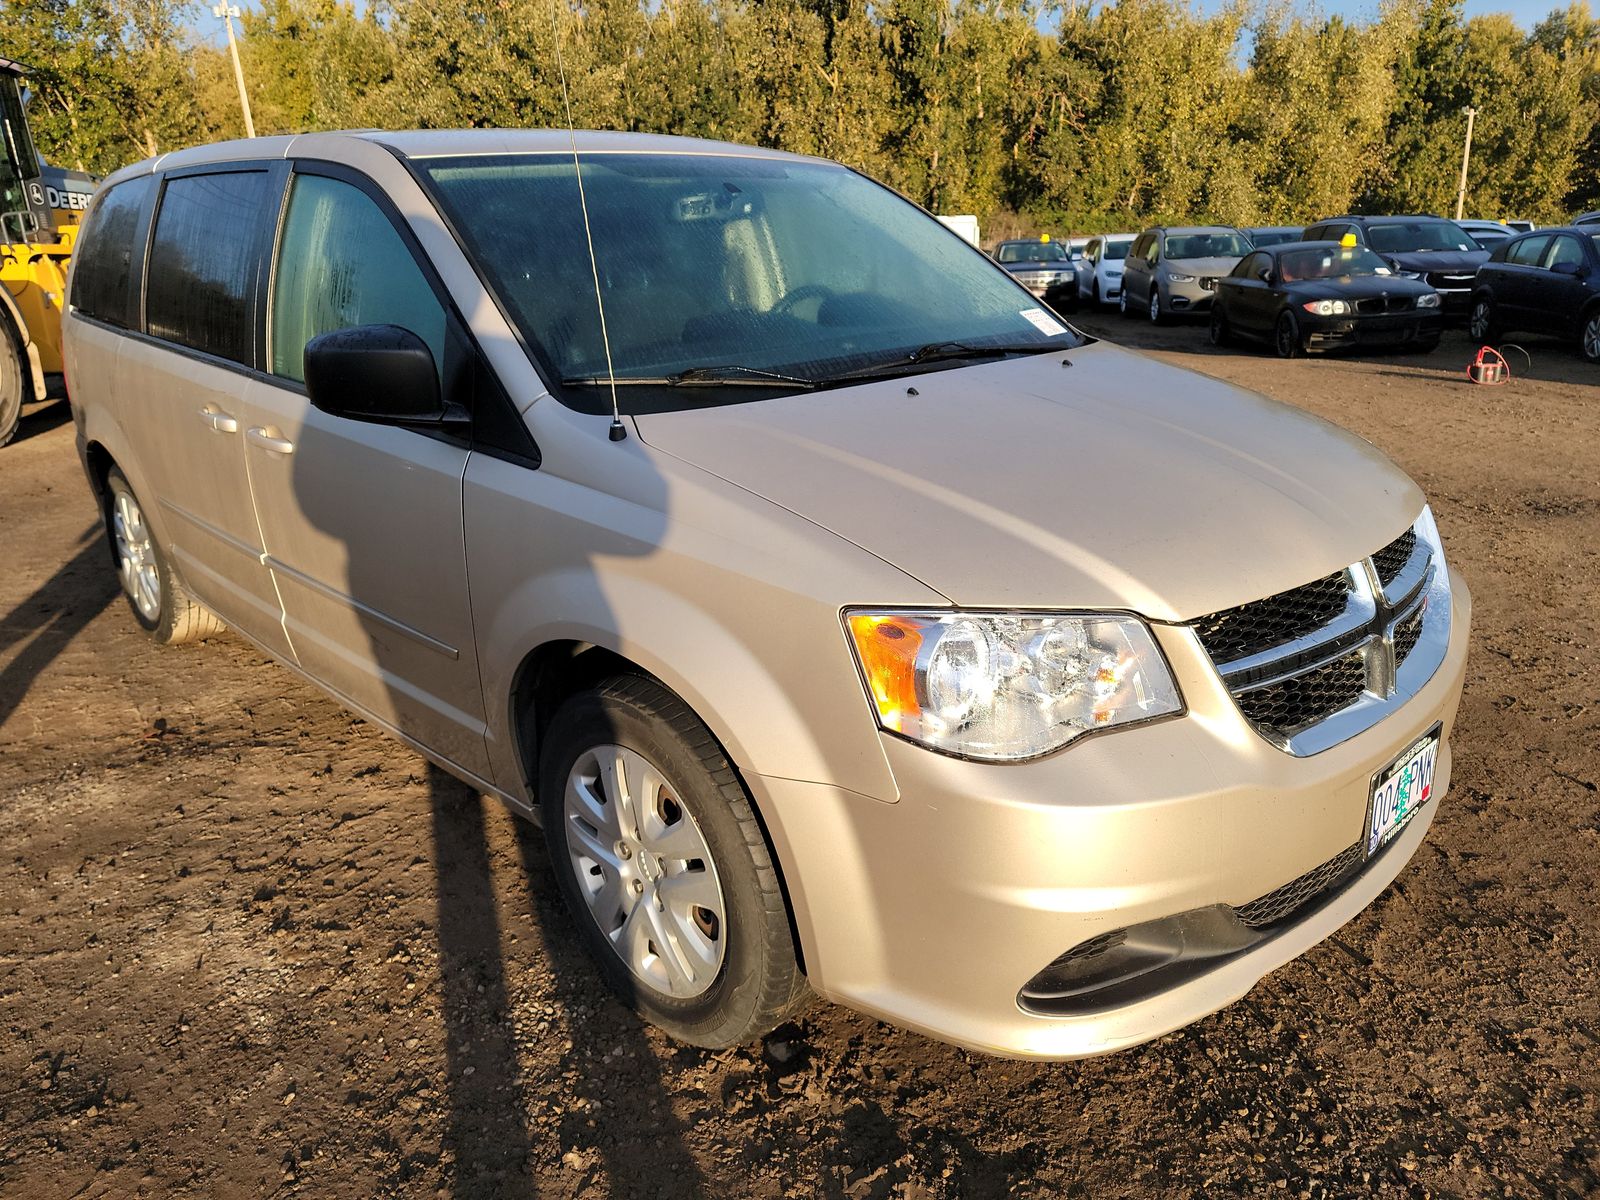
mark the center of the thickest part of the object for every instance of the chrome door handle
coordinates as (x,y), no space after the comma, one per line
(219,421)
(268,439)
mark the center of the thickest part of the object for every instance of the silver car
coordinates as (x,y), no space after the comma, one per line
(1173,271)
(851,624)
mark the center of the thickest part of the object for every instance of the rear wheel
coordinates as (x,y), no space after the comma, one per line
(1480,325)
(1221,335)
(158,599)
(1589,338)
(1286,337)
(664,866)
(13,382)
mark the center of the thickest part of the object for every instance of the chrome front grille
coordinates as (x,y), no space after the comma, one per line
(1316,664)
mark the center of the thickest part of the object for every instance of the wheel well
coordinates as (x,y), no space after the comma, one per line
(556,670)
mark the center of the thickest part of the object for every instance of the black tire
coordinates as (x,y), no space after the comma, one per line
(1122,301)
(13,381)
(1221,334)
(759,984)
(1286,339)
(1155,312)
(175,617)
(1481,325)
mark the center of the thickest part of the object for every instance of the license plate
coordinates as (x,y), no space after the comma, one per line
(1402,789)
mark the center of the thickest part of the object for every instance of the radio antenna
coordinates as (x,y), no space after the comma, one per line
(618,430)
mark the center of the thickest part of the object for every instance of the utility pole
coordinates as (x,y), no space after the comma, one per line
(228,12)
(1466,155)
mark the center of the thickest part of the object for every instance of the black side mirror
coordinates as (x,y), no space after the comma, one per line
(1265,274)
(1566,268)
(374,373)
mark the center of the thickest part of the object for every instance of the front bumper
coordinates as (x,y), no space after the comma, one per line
(1189,297)
(933,912)
(1378,329)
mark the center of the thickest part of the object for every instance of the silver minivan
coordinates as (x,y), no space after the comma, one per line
(851,624)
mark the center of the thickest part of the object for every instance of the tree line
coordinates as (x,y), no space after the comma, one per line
(1078,115)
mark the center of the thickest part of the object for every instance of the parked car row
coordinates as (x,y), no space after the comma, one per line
(1347,281)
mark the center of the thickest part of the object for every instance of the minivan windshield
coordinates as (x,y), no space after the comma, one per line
(1211,244)
(730,273)
(1408,237)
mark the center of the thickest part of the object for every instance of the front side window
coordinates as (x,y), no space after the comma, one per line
(342,263)
(1564,251)
(1408,237)
(1250,268)
(717,261)
(204,263)
(102,275)
(1219,244)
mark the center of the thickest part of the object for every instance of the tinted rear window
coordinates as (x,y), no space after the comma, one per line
(204,262)
(102,275)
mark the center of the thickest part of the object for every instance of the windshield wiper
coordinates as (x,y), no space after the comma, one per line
(727,375)
(943,352)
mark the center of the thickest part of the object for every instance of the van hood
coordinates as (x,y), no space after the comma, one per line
(1115,483)
(1204,266)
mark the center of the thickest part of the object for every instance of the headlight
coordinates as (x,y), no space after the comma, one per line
(1174,277)
(1008,686)
(1431,300)
(1403,274)
(1326,308)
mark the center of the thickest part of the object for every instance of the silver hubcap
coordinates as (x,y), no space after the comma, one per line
(136,557)
(1480,320)
(1155,305)
(645,871)
(1591,338)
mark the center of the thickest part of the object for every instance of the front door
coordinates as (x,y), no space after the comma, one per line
(362,521)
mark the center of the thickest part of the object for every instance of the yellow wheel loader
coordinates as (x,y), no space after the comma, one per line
(40,208)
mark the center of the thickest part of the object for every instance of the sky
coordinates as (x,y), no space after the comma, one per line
(1526,13)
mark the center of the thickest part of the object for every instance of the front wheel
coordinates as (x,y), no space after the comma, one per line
(159,601)
(1480,325)
(663,864)
(13,383)
(1156,315)
(1122,302)
(1589,339)
(1286,337)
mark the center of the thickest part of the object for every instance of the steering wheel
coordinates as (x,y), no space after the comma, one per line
(806,291)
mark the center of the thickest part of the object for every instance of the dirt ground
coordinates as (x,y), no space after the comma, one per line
(251,947)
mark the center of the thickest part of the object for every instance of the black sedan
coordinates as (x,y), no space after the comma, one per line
(1544,282)
(1323,296)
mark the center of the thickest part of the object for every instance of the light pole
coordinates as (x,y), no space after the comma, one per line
(1466,155)
(228,12)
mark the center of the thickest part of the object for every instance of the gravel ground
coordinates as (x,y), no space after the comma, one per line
(251,947)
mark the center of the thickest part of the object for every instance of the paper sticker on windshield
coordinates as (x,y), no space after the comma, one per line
(1380,270)
(1042,321)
